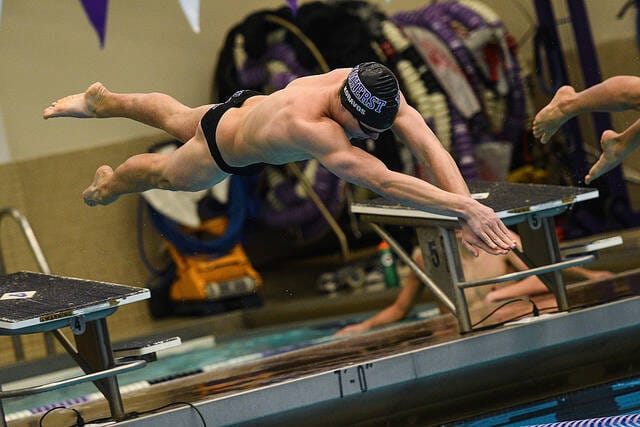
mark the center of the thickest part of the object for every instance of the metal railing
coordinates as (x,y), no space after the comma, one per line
(36,250)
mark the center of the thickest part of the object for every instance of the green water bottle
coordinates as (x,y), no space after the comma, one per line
(388,265)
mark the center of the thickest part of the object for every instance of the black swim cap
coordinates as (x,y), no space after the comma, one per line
(372,95)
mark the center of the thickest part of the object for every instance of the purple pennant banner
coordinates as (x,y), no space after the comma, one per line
(293,4)
(96,10)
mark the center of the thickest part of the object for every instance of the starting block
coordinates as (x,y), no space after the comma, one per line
(37,302)
(530,207)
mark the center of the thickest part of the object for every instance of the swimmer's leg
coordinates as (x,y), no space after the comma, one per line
(555,114)
(615,148)
(616,93)
(189,168)
(154,109)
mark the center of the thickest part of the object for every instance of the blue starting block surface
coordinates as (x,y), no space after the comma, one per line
(36,302)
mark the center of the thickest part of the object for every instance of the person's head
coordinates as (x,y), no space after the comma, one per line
(372,95)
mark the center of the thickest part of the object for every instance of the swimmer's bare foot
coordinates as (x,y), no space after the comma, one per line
(96,193)
(614,150)
(80,105)
(550,118)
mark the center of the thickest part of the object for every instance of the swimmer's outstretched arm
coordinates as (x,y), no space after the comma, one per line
(409,126)
(154,109)
(480,226)
(614,94)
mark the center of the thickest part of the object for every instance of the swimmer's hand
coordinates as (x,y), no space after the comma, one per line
(482,229)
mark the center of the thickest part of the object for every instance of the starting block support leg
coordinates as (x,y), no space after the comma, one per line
(439,248)
(95,347)
(540,244)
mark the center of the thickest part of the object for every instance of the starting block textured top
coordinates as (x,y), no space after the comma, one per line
(509,201)
(36,302)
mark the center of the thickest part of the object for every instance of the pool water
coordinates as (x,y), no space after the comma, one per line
(605,401)
(200,356)
(203,355)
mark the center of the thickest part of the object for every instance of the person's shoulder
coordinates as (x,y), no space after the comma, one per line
(340,71)
(329,77)
(319,134)
(311,126)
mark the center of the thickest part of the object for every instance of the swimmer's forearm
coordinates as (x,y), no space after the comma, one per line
(425,145)
(406,189)
(364,170)
(449,178)
(390,314)
(444,170)
(403,304)
(421,195)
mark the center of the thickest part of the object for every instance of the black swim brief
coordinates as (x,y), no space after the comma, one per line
(209,124)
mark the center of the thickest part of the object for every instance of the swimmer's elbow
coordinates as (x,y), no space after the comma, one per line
(366,179)
(358,171)
(383,183)
(386,184)
(381,180)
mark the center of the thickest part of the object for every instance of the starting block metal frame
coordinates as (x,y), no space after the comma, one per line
(529,207)
(37,302)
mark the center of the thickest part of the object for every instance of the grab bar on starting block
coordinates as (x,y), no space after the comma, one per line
(126,367)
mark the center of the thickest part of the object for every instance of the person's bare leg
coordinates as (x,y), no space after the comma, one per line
(95,194)
(555,114)
(153,109)
(615,148)
(614,94)
(137,174)
(189,168)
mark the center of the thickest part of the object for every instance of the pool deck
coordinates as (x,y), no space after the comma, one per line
(425,369)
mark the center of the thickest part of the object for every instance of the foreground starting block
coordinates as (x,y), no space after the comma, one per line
(530,207)
(36,302)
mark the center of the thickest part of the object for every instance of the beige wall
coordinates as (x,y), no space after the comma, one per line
(48,49)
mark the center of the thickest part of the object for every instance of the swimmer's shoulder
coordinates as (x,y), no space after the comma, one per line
(331,77)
